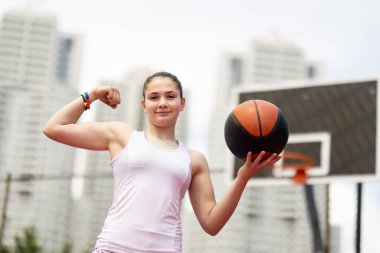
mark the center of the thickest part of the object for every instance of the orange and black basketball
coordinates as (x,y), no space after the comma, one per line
(256,125)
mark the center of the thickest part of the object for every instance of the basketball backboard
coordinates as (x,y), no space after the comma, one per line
(334,123)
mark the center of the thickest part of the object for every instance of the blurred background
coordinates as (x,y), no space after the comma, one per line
(56,197)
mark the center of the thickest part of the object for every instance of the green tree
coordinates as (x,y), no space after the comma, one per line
(27,243)
(67,248)
(5,249)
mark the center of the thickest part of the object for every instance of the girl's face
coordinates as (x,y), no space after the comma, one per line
(162,102)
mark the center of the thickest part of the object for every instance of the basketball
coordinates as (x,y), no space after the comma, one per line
(256,125)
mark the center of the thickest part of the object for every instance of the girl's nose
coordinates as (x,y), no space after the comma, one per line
(162,102)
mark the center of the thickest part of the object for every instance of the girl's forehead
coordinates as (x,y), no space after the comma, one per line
(161,84)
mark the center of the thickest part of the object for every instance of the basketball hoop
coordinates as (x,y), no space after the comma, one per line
(299,163)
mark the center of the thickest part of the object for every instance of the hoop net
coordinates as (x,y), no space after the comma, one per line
(299,163)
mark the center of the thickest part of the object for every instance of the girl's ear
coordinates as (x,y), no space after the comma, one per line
(183,103)
(143,104)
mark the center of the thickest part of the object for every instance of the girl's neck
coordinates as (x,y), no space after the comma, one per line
(164,134)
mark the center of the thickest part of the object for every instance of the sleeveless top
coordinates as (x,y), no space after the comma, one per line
(149,184)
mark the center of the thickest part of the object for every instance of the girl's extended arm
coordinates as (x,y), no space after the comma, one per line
(213,216)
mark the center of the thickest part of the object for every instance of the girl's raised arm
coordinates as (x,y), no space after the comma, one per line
(63,127)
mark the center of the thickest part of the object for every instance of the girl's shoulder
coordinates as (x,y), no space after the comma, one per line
(195,154)
(121,131)
(198,161)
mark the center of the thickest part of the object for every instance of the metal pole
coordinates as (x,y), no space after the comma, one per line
(328,230)
(358,217)
(4,208)
(313,216)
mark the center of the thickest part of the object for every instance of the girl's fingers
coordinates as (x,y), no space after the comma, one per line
(113,97)
(258,164)
(118,97)
(272,159)
(249,157)
(259,158)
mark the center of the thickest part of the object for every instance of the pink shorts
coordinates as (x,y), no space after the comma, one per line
(101,251)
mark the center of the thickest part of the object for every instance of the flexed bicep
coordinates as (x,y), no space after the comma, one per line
(92,135)
(63,127)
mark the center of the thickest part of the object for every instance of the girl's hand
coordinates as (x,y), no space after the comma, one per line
(251,168)
(107,94)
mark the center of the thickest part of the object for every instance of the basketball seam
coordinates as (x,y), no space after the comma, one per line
(258,118)
(239,125)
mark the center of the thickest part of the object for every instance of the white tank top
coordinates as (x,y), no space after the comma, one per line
(149,184)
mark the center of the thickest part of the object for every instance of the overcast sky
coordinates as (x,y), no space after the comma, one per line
(185,37)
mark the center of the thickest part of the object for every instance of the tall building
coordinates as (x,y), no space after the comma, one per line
(30,57)
(27,48)
(269,61)
(68,59)
(268,219)
(98,179)
(33,52)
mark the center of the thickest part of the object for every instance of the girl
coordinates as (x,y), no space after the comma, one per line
(152,169)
